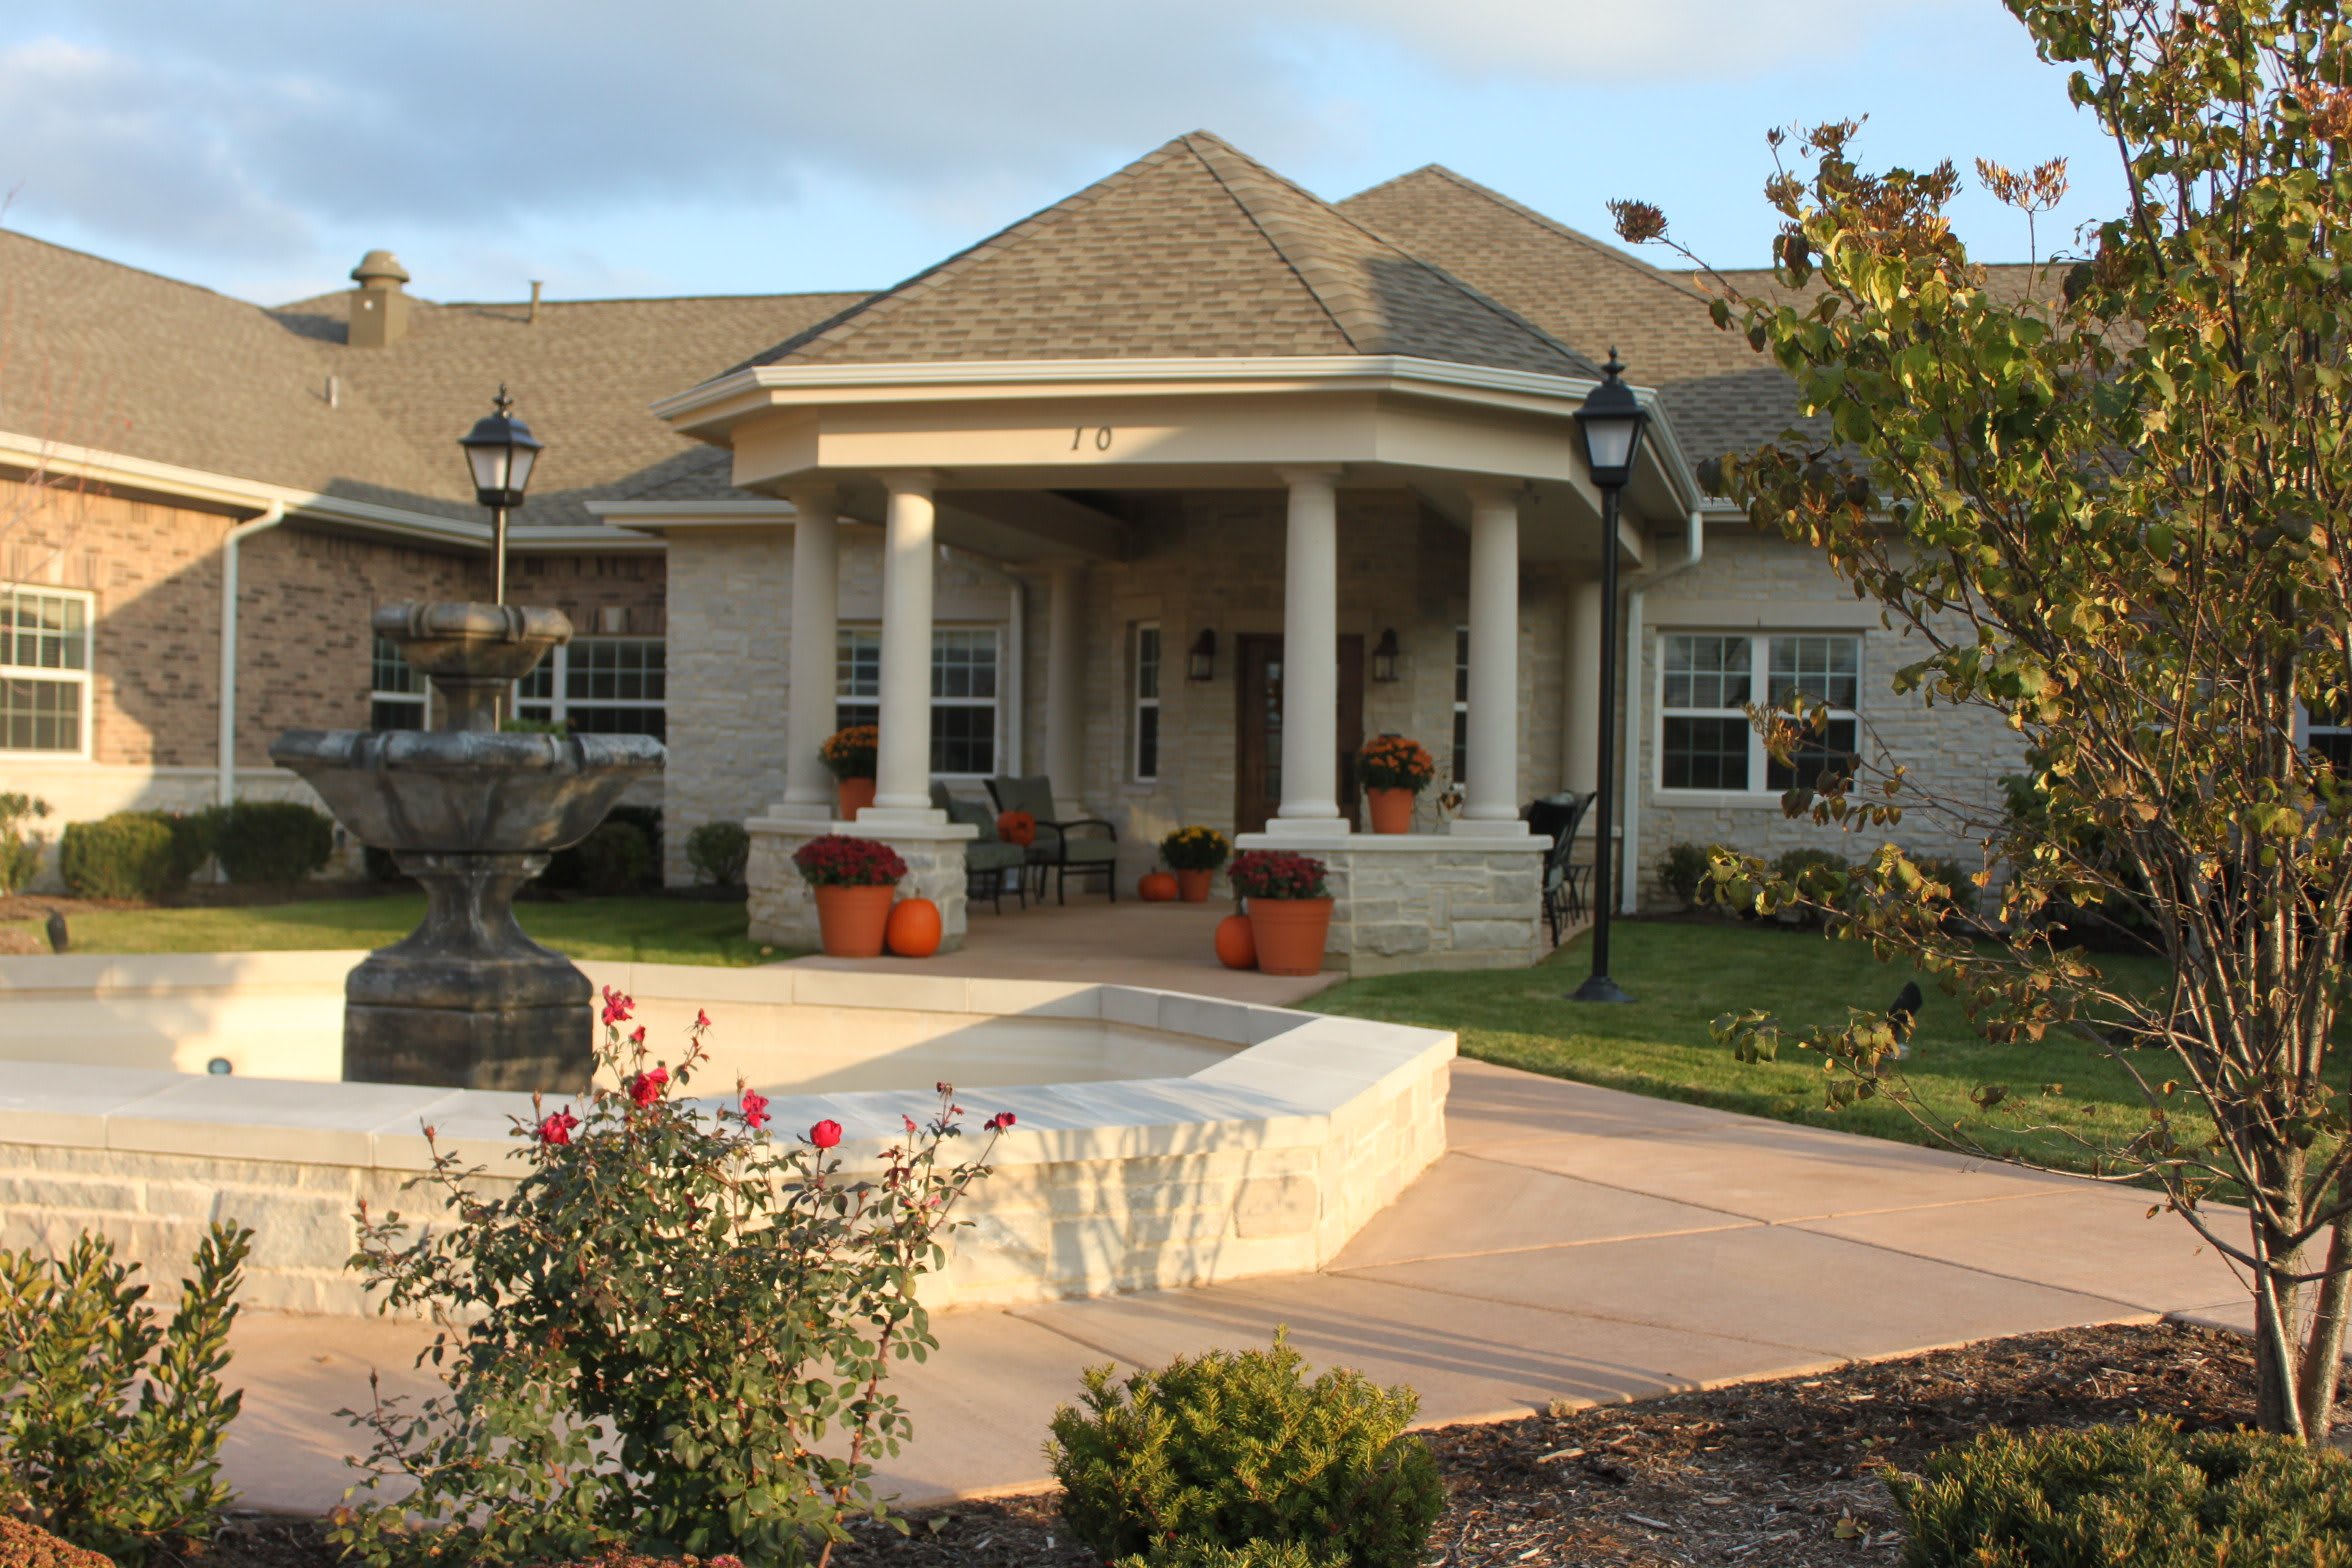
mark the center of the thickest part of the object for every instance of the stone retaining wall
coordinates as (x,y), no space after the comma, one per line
(1427,900)
(783,908)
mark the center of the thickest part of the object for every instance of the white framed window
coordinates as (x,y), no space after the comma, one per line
(1461,702)
(45,636)
(398,696)
(1147,701)
(1706,681)
(2326,732)
(965,716)
(600,686)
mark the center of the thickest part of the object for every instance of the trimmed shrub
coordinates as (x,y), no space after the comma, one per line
(720,852)
(614,859)
(2142,1496)
(1235,1449)
(129,855)
(276,843)
(567,869)
(20,851)
(1251,1554)
(1683,870)
(113,1421)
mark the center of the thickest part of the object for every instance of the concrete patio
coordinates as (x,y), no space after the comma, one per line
(1575,1245)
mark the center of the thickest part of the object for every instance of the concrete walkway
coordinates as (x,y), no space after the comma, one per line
(1576,1245)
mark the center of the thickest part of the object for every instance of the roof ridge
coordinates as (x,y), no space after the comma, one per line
(1545,221)
(1257,221)
(141,272)
(1377,319)
(877,307)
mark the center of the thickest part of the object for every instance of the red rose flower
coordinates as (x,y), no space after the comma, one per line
(825,1134)
(616,1007)
(1001,1121)
(647,1087)
(557,1129)
(701,1019)
(755,1109)
(638,1038)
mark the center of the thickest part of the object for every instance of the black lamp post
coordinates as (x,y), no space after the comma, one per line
(500,450)
(1610,422)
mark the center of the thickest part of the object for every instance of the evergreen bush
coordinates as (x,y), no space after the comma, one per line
(20,849)
(1250,1554)
(1681,870)
(111,1424)
(129,855)
(616,858)
(2142,1496)
(275,843)
(720,852)
(1236,1449)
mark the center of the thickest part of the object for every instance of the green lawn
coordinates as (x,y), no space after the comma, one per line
(1684,975)
(651,930)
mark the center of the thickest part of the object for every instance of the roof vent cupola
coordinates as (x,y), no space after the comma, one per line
(379,310)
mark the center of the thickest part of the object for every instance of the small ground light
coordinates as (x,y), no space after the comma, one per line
(219,1067)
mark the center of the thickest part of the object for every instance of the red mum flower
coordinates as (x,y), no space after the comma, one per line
(825,1134)
(647,1087)
(557,1129)
(755,1109)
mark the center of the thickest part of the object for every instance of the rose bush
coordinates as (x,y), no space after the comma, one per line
(837,860)
(670,1335)
(1277,874)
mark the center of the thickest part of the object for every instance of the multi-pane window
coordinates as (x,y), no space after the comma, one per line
(1147,701)
(44,670)
(963,693)
(396,692)
(1708,679)
(1461,700)
(2330,736)
(600,686)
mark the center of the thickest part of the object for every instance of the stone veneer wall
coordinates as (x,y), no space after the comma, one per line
(1267,1162)
(1427,901)
(783,908)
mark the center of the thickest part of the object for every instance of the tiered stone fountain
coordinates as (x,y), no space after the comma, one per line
(467,1000)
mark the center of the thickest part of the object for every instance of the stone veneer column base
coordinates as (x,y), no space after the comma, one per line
(783,908)
(1406,901)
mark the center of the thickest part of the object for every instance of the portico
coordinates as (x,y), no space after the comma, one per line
(1294,446)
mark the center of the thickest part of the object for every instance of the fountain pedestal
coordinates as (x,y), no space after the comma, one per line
(467,1000)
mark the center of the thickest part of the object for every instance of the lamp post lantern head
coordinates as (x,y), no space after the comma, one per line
(1611,423)
(501,450)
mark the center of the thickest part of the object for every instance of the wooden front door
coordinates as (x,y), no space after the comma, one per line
(1257,769)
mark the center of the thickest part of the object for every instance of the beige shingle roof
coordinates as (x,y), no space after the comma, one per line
(1719,394)
(1192,251)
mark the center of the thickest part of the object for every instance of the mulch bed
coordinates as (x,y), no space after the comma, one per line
(1789,1473)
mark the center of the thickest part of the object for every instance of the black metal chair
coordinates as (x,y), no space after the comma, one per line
(1559,816)
(1077,846)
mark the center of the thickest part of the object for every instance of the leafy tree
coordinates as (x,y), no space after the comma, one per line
(2110,507)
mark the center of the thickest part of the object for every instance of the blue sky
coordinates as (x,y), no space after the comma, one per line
(749,146)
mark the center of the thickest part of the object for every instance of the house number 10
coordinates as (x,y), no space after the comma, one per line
(1101,435)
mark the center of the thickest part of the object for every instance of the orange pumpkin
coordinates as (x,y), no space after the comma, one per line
(1237,945)
(1157,887)
(914,928)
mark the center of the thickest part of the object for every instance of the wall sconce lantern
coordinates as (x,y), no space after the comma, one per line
(1384,656)
(1201,663)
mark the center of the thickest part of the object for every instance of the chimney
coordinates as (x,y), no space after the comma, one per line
(379,311)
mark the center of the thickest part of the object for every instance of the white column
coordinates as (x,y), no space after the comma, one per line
(1065,680)
(1492,767)
(816,593)
(902,767)
(1310,656)
(1580,715)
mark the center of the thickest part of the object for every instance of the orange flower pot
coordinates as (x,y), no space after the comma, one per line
(855,795)
(1193,886)
(1392,810)
(852,921)
(1290,934)
(1156,887)
(1236,948)
(913,930)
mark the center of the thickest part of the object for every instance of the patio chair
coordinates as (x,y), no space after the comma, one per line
(987,858)
(1078,846)
(1560,816)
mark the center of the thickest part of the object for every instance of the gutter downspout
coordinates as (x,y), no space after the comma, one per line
(1694,549)
(225,790)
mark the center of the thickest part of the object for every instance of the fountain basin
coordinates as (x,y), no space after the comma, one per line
(1163,1138)
(459,792)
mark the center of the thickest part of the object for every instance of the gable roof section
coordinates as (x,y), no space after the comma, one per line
(1192,251)
(1720,394)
